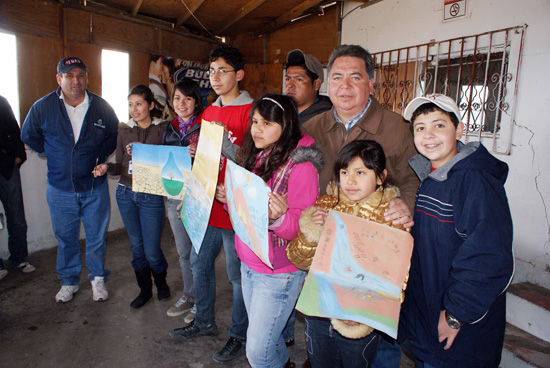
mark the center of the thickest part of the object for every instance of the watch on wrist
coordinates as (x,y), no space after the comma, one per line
(453,323)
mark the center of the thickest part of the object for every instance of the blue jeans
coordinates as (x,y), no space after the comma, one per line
(389,353)
(11,196)
(204,275)
(269,300)
(327,348)
(184,246)
(143,217)
(66,211)
(421,364)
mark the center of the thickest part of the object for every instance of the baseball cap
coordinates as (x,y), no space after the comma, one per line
(69,63)
(443,102)
(312,64)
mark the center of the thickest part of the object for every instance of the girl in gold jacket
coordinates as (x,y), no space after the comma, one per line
(359,188)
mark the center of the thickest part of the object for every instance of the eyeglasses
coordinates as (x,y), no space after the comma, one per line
(220,72)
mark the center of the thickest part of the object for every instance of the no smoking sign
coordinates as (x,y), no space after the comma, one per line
(454,9)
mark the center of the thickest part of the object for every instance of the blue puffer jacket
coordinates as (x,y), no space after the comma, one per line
(47,129)
(462,260)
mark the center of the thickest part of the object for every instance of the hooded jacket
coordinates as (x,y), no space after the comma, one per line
(302,191)
(462,260)
(321,104)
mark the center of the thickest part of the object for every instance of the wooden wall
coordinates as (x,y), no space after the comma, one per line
(46,33)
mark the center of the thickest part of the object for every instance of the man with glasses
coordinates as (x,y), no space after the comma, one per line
(232,109)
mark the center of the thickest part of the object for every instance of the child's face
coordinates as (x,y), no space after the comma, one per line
(357,181)
(264,133)
(435,137)
(139,109)
(226,81)
(183,105)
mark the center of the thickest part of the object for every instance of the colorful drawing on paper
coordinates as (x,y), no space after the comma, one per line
(199,196)
(247,204)
(358,273)
(161,170)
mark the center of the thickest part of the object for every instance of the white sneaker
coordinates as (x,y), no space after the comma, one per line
(99,291)
(66,293)
(190,317)
(26,267)
(3,273)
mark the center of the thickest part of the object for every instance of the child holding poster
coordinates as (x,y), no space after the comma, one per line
(142,213)
(359,188)
(276,150)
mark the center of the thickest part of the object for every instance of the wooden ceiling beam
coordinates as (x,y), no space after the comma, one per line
(293,13)
(153,22)
(136,7)
(193,7)
(239,14)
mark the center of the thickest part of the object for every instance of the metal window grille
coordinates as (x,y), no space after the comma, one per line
(480,72)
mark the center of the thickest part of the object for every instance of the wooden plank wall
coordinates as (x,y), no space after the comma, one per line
(41,43)
(46,33)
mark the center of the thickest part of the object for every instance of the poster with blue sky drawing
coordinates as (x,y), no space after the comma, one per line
(199,196)
(358,273)
(247,204)
(161,170)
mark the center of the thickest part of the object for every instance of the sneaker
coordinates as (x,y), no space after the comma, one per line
(26,267)
(66,293)
(190,317)
(182,306)
(99,290)
(232,349)
(192,330)
(3,273)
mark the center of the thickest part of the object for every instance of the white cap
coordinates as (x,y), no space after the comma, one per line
(444,102)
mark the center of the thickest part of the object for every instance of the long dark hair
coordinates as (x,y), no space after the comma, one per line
(146,93)
(279,109)
(190,88)
(370,152)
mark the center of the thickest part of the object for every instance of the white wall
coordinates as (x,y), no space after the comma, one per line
(39,233)
(393,24)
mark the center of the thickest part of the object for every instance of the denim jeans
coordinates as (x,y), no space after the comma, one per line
(389,353)
(204,275)
(421,364)
(11,196)
(143,217)
(183,246)
(269,300)
(327,348)
(66,211)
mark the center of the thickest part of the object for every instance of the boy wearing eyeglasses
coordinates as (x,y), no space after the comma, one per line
(232,109)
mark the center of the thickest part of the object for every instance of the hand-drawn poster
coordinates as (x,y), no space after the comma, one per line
(358,272)
(247,204)
(161,170)
(199,196)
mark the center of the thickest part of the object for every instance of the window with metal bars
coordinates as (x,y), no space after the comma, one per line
(480,72)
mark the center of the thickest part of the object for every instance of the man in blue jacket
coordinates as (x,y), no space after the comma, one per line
(75,130)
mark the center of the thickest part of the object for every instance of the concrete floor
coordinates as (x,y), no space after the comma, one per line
(35,331)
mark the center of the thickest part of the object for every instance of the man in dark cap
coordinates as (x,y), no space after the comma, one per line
(303,79)
(75,130)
